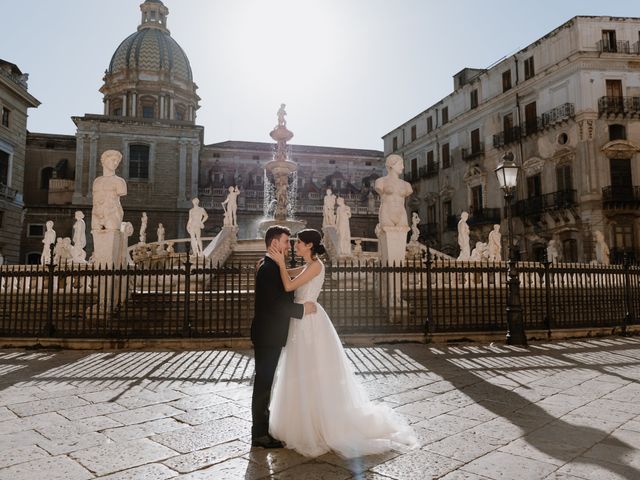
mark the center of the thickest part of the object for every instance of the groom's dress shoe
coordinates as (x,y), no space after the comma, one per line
(266,441)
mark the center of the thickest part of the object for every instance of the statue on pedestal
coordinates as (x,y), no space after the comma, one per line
(281,114)
(62,252)
(343,214)
(602,249)
(160,234)
(552,251)
(393,190)
(463,237)
(230,207)
(48,240)
(328,209)
(107,213)
(415,232)
(495,244)
(79,238)
(195,224)
(143,228)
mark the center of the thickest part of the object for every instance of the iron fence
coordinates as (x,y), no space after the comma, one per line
(183,299)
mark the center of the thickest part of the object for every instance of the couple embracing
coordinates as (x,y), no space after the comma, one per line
(305,395)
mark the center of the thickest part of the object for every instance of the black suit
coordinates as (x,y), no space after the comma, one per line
(269,329)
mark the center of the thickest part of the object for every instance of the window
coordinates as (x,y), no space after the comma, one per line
(623,236)
(506,80)
(414,169)
(367,163)
(45,175)
(430,161)
(617,132)
(620,169)
(414,133)
(4,167)
(476,199)
(139,161)
(609,43)
(215,155)
(446,158)
(255,157)
(332,162)
(431,214)
(395,144)
(476,147)
(258,179)
(445,115)
(33,258)
(147,111)
(446,208)
(563,178)
(117,111)
(179,114)
(614,89)
(429,124)
(474,99)
(148,105)
(35,230)
(531,118)
(529,69)
(534,186)
(5,117)
(570,250)
(507,126)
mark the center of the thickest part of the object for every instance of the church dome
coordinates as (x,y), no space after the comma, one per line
(151,50)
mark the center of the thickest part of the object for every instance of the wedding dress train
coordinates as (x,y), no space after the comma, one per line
(317,404)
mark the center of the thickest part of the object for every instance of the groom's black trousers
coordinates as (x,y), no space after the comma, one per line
(266,362)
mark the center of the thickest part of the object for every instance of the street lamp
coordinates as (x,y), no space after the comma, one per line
(507,173)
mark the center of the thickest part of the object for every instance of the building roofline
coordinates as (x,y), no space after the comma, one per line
(270,147)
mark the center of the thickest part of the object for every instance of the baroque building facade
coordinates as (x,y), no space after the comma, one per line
(150,103)
(568,107)
(15,100)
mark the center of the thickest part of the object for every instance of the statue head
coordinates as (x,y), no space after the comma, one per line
(79,215)
(144,214)
(340,201)
(49,224)
(110,160)
(394,162)
(195,202)
(599,236)
(329,191)
(231,189)
(160,226)
(464,216)
(496,227)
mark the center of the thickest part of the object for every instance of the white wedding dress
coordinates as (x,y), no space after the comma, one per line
(317,404)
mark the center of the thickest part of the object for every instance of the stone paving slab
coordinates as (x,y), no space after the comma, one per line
(567,410)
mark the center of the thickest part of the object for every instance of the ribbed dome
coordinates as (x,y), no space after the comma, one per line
(151,50)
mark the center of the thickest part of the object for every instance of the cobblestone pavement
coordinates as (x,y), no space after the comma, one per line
(564,410)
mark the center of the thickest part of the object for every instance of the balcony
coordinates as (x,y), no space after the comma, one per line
(620,46)
(484,216)
(7,192)
(532,206)
(472,153)
(617,255)
(533,125)
(619,106)
(620,197)
(431,170)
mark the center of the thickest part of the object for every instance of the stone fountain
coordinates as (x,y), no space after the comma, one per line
(279,169)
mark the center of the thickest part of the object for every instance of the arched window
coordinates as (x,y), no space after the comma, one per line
(116,108)
(45,175)
(139,161)
(148,106)
(617,132)
(33,258)
(180,112)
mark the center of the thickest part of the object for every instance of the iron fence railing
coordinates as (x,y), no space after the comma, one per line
(562,199)
(194,300)
(620,195)
(613,46)
(618,105)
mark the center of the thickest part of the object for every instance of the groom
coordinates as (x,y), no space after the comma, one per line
(269,329)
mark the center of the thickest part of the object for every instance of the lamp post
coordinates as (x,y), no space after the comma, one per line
(507,173)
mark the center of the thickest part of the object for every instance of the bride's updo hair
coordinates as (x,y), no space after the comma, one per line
(309,235)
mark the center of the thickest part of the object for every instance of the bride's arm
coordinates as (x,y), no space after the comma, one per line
(292,284)
(292,272)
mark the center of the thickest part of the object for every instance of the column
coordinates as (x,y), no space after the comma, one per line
(78,193)
(195,161)
(134,104)
(182,172)
(124,105)
(162,98)
(171,113)
(93,160)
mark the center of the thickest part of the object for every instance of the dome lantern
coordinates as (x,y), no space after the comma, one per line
(154,15)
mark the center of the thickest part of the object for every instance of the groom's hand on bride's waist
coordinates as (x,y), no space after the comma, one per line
(309,308)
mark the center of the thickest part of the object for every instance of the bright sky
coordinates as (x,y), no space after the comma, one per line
(348,70)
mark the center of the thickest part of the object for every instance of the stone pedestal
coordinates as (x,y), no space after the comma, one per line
(107,253)
(392,246)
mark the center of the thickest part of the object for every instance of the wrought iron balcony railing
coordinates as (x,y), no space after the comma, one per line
(620,46)
(484,216)
(549,201)
(431,170)
(619,105)
(616,196)
(473,152)
(547,119)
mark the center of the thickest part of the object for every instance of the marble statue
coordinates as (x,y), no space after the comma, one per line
(126,228)
(79,238)
(160,233)
(343,214)
(107,213)
(602,249)
(463,237)
(415,232)
(1,258)
(143,228)
(62,253)
(393,190)
(371,203)
(480,252)
(195,224)
(281,114)
(553,254)
(281,200)
(328,209)
(170,248)
(495,244)
(230,207)
(48,240)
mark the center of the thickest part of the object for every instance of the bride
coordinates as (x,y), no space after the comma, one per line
(317,405)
